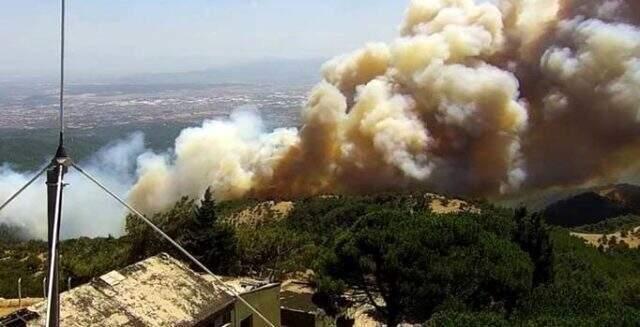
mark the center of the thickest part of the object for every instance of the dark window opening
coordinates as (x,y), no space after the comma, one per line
(247,322)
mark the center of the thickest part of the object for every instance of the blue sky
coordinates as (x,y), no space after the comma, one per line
(119,37)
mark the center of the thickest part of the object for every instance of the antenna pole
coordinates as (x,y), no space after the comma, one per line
(54,193)
(62,73)
(55,177)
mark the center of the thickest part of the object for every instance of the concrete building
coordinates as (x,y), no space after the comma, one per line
(159,291)
(262,295)
(298,310)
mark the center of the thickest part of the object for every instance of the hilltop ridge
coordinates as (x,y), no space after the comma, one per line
(594,205)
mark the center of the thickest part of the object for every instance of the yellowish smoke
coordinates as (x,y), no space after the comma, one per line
(472,98)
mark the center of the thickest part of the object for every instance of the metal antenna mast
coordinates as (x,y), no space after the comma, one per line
(55,176)
(62,73)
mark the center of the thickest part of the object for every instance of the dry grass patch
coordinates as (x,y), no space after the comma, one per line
(442,205)
(631,238)
(262,212)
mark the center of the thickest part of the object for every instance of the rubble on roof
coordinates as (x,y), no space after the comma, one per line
(241,285)
(158,291)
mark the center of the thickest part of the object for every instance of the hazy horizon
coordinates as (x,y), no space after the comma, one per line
(107,39)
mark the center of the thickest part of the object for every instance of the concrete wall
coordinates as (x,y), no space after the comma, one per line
(7,306)
(266,300)
(295,318)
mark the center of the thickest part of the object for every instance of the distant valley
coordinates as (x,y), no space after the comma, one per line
(98,114)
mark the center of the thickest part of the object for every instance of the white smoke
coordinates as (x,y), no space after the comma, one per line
(473,98)
(87,211)
(230,156)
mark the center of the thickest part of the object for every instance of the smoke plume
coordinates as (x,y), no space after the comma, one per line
(472,98)
(87,211)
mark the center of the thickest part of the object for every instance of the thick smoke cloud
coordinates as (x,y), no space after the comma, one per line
(474,98)
(229,156)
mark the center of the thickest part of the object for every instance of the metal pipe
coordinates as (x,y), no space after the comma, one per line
(20,292)
(52,291)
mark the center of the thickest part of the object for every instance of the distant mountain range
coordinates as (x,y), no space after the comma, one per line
(271,71)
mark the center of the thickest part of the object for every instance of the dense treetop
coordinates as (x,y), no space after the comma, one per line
(488,267)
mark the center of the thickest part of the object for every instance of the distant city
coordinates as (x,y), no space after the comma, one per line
(99,112)
(99,105)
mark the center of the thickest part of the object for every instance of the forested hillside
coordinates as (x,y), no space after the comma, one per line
(403,255)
